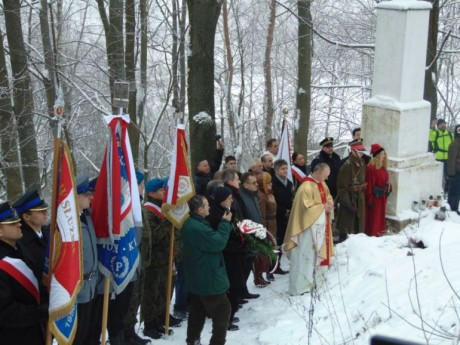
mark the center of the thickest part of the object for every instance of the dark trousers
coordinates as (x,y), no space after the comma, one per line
(181,300)
(86,318)
(218,308)
(248,262)
(130,319)
(234,297)
(118,307)
(453,197)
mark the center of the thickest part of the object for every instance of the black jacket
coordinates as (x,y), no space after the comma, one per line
(19,311)
(234,252)
(283,197)
(36,248)
(334,163)
(201,180)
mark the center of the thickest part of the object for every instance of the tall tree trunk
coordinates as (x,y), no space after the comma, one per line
(113,28)
(175,54)
(203,16)
(48,78)
(9,145)
(431,74)
(22,94)
(302,116)
(229,79)
(116,59)
(143,18)
(130,66)
(270,110)
(182,60)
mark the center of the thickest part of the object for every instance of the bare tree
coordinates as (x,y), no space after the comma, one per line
(203,16)
(22,94)
(9,158)
(270,109)
(302,117)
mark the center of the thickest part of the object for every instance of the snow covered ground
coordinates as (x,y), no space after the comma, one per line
(375,286)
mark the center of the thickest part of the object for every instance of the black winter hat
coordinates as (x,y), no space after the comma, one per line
(457,131)
(221,193)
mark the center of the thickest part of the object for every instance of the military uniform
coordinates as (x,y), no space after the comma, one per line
(36,243)
(156,265)
(351,197)
(87,294)
(20,312)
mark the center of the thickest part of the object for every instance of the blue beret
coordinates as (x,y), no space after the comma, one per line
(139,177)
(153,185)
(83,186)
(165,181)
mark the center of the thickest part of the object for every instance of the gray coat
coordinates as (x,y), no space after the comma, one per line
(251,203)
(90,261)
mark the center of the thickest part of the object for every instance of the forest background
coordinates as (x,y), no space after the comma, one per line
(237,68)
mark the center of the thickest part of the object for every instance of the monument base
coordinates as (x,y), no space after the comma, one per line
(413,178)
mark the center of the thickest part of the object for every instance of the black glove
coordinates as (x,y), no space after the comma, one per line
(348,206)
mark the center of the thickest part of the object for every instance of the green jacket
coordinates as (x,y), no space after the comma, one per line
(440,141)
(205,273)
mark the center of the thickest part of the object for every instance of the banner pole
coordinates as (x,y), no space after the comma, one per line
(105,311)
(169,285)
(54,197)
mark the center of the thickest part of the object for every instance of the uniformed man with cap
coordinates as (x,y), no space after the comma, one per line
(351,187)
(87,294)
(33,211)
(21,314)
(155,261)
(328,156)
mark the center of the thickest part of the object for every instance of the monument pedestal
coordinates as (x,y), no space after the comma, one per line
(396,116)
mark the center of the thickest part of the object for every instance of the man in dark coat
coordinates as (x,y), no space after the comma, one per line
(33,211)
(205,170)
(282,191)
(20,312)
(234,255)
(351,189)
(205,272)
(453,171)
(328,156)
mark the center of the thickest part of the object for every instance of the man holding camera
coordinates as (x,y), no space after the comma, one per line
(205,170)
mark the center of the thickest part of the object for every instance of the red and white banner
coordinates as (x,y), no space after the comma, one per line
(284,151)
(180,186)
(117,207)
(67,270)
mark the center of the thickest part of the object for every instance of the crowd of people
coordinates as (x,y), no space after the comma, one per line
(327,200)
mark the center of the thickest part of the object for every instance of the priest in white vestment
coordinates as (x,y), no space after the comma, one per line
(308,242)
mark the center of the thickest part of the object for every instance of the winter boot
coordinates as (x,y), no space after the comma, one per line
(131,338)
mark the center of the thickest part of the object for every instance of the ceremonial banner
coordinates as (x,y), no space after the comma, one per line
(180,186)
(67,267)
(284,151)
(116,207)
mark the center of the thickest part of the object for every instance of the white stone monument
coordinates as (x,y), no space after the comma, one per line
(396,116)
